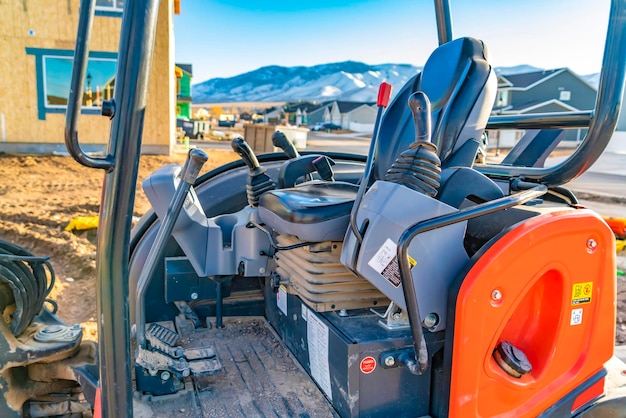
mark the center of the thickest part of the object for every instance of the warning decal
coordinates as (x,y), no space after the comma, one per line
(581,293)
(576,317)
(317,337)
(368,365)
(281,299)
(385,262)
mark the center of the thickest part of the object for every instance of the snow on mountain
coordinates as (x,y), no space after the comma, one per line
(347,81)
(518,69)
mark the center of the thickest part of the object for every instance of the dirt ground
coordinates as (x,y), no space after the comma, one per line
(40,195)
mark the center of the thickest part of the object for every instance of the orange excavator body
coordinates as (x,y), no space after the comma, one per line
(547,286)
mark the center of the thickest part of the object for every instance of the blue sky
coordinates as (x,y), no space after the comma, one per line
(223,38)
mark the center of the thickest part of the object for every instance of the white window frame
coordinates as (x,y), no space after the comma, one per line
(114,8)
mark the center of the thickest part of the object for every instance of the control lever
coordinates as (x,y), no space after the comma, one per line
(258,182)
(420,109)
(195,160)
(281,141)
(241,147)
(419,167)
(384,92)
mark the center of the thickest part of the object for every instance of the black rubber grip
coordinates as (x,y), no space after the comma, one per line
(281,141)
(241,147)
(420,108)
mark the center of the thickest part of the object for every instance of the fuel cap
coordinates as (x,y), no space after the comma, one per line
(511,359)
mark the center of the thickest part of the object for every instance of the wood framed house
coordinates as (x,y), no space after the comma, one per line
(36,60)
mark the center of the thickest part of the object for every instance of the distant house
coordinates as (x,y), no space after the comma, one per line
(327,112)
(357,116)
(557,90)
(298,113)
(272,115)
(184,74)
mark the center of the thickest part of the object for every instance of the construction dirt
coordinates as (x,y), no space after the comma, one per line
(40,195)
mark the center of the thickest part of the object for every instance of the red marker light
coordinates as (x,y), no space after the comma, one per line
(384,91)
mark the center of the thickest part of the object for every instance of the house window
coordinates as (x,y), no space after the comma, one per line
(109,7)
(564,95)
(54,73)
(98,85)
(503,99)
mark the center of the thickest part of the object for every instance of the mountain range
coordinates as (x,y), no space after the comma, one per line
(347,81)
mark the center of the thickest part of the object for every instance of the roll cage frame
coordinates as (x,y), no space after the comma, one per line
(127,109)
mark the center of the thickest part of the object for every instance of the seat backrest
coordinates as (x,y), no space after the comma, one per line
(461,86)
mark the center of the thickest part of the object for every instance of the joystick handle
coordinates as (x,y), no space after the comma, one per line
(241,147)
(420,108)
(281,141)
(195,160)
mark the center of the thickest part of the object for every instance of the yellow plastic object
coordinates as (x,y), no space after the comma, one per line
(620,245)
(82,223)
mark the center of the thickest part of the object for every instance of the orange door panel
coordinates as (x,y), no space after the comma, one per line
(548,288)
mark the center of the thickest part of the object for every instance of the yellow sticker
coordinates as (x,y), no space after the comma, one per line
(412,261)
(581,293)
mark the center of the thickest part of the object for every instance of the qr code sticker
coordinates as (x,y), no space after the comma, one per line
(577,317)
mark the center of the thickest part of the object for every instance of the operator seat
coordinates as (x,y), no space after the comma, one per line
(461,86)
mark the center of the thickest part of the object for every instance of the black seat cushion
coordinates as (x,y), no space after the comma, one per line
(317,211)
(311,203)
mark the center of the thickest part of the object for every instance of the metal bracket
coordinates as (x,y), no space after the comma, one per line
(394,318)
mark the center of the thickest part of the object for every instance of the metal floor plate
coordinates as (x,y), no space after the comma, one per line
(259,378)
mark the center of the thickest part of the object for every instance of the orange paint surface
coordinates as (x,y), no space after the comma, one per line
(565,325)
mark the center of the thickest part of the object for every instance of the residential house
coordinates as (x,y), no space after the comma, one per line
(327,112)
(272,115)
(184,74)
(357,116)
(557,90)
(300,113)
(354,116)
(36,63)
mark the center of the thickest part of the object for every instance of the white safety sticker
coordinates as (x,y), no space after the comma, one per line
(281,299)
(577,317)
(305,312)
(317,337)
(385,262)
(385,255)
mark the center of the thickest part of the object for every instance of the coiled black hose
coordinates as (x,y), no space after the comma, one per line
(23,282)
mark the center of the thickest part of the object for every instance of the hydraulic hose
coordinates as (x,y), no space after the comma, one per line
(23,283)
